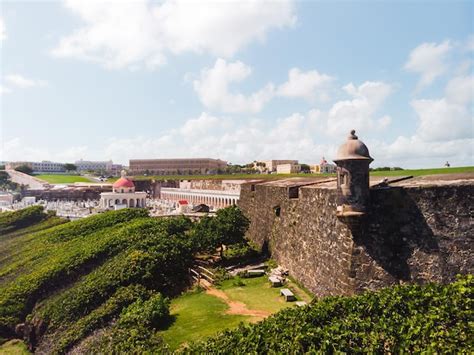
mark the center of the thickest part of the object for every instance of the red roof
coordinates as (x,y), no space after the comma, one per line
(183,202)
(123,182)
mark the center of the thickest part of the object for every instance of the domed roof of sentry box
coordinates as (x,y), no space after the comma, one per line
(123,182)
(353,149)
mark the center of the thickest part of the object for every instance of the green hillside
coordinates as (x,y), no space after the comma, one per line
(409,319)
(71,279)
(108,284)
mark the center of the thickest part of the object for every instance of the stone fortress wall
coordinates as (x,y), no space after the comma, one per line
(418,230)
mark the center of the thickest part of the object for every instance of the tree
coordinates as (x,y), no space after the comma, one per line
(24,169)
(70,167)
(204,235)
(230,226)
(305,168)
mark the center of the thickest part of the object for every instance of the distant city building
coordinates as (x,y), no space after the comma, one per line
(44,166)
(323,167)
(176,166)
(6,198)
(123,195)
(288,168)
(96,166)
(270,166)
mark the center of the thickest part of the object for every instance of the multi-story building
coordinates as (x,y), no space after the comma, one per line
(44,166)
(96,166)
(323,168)
(270,166)
(288,168)
(176,166)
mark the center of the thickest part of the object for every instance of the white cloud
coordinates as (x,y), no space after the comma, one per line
(17,149)
(428,60)
(360,112)
(460,89)
(21,82)
(134,33)
(441,120)
(213,88)
(237,141)
(308,85)
(414,152)
(445,130)
(4,90)
(3,32)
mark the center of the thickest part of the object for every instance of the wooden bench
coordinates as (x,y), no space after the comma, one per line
(289,296)
(275,281)
(301,303)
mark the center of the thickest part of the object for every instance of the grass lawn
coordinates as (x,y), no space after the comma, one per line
(63,179)
(258,294)
(198,315)
(414,172)
(14,347)
(421,172)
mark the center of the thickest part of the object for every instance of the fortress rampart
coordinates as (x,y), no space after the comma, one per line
(417,230)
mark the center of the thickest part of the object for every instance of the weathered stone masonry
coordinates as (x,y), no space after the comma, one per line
(410,234)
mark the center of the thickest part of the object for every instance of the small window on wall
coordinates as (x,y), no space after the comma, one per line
(277,210)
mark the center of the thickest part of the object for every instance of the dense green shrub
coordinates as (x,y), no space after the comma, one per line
(149,313)
(99,317)
(154,259)
(409,319)
(240,252)
(11,221)
(57,255)
(135,330)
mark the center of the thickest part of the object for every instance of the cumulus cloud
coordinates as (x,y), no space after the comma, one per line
(17,149)
(22,82)
(236,140)
(141,32)
(307,85)
(428,60)
(445,130)
(450,117)
(213,88)
(3,32)
(359,112)
(4,90)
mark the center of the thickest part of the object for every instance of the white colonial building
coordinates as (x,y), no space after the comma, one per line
(123,195)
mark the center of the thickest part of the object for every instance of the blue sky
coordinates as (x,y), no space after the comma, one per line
(237,80)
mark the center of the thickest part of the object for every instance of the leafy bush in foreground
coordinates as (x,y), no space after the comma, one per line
(432,318)
(11,221)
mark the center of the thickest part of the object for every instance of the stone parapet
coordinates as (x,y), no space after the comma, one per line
(412,233)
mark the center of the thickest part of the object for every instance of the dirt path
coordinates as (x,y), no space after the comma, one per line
(237,308)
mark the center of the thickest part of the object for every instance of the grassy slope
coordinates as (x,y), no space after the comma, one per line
(197,316)
(63,179)
(414,172)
